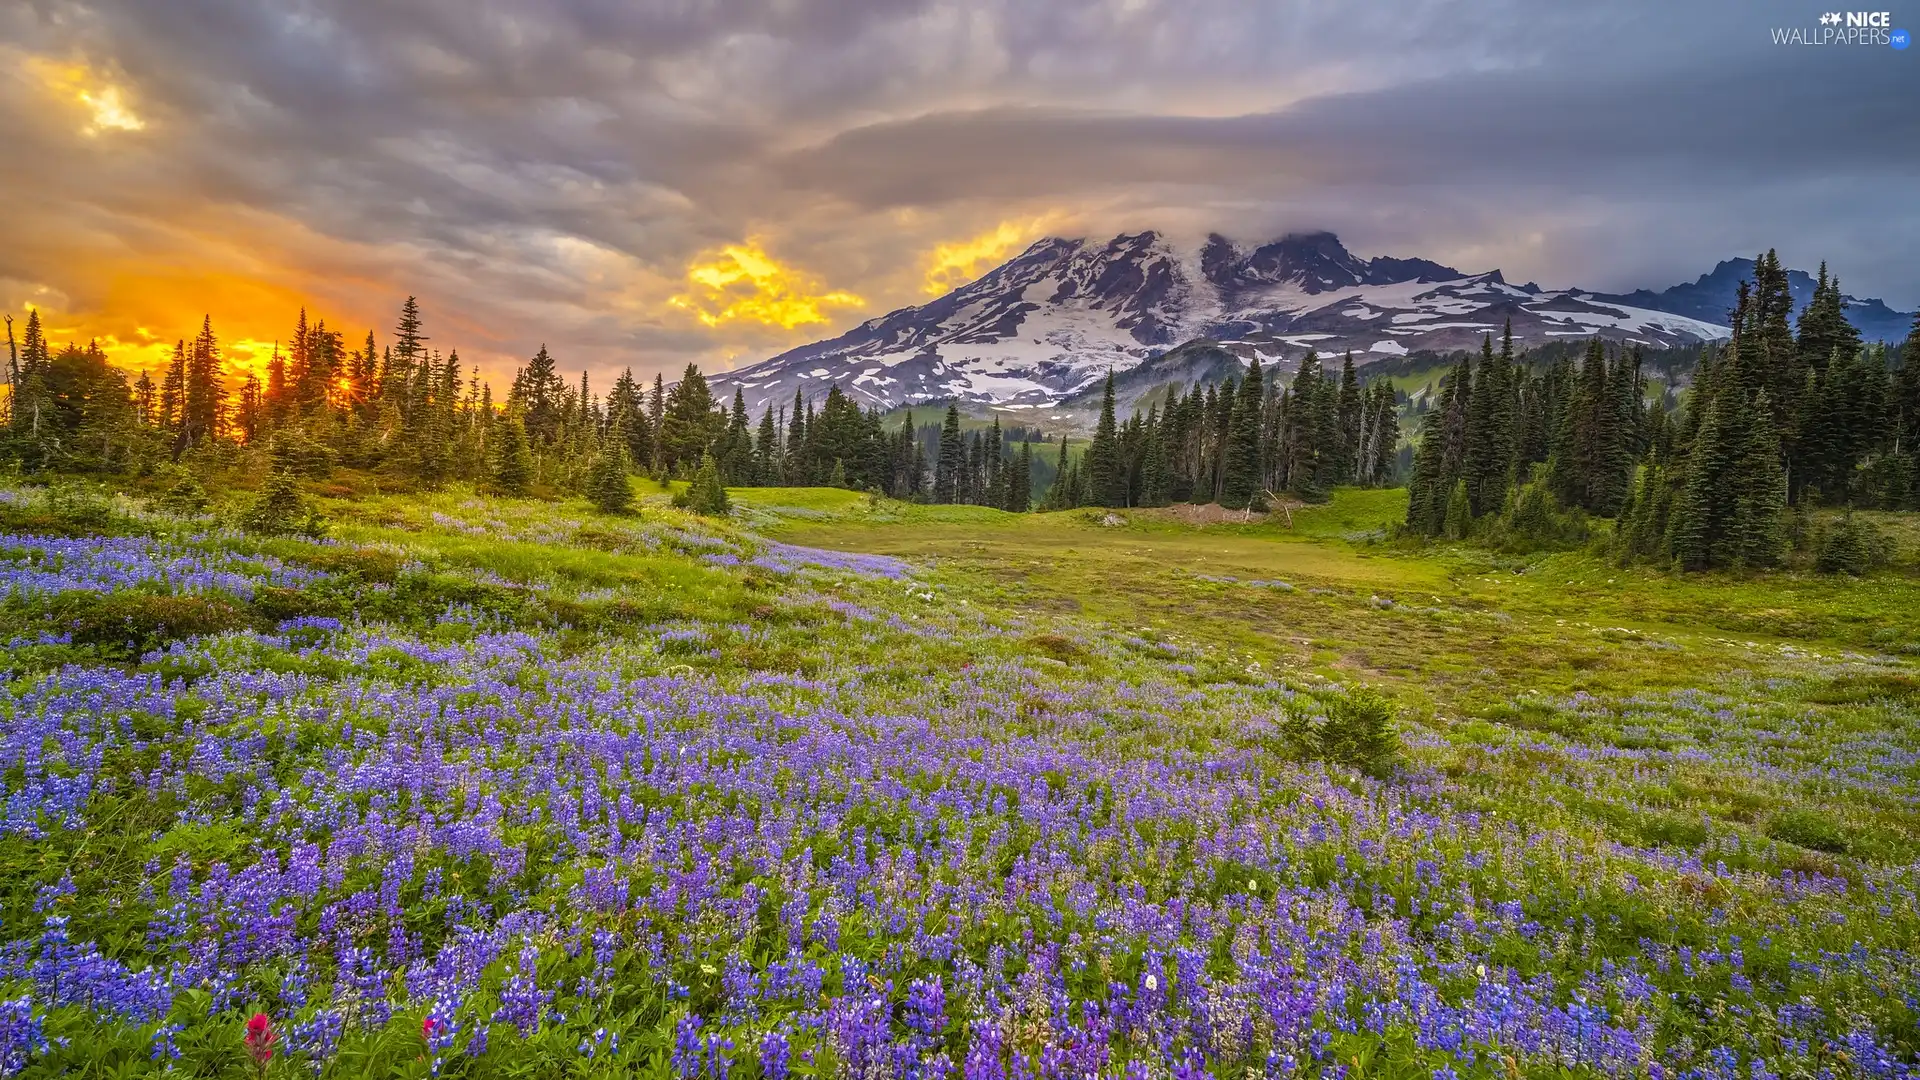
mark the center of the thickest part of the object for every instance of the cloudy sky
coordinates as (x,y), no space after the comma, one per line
(648,182)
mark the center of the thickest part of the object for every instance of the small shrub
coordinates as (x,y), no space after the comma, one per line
(281,510)
(369,564)
(1850,546)
(68,510)
(185,497)
(1810,829)
(1359,733)
(1865,689)
(1537,716)
(511,468)
(1535,521)
(607,484)
(1356,732)
(135,623)
(705,495)
(272,605)
(1063,649)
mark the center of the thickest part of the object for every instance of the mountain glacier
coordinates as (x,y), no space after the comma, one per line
(1050,322)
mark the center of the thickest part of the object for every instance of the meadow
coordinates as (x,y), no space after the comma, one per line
(847,787)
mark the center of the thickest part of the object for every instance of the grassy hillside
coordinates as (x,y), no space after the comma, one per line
(850,787)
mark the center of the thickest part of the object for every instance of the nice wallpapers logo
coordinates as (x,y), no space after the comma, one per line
(1846,28)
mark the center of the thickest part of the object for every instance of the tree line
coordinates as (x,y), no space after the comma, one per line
(1239,443)
(1783,414)
(419,418)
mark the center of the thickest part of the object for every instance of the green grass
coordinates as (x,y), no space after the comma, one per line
(1453,625)
(1629,756)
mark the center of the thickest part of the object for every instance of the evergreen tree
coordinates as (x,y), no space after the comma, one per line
(1487,467)
(1439,461)
(627,411)
(250,418)
(1020,498)
(688,426)
(204,409)
(995,478)
(1105,473)
(1384,438)
(1352,419)
(407,353)
(1770,358)
(1308,427)
(1620,448)
(1060,492)
(1642,533)
(1240,460)
(796,469)
(1759,493)
(280,508)
(1729,509)
(947,469)
(538,394)
(144,401)
(279,397)
(366,378)
(607,483)
(656,415)
(1458,522)
(1156,479)
(766,451)
(28,414)
(173,390)
(736,462)
(1591,463)
(706,494)
(512,464)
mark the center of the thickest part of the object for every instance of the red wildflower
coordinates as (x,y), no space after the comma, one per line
(260,1039)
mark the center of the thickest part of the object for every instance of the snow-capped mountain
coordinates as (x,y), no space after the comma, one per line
(1047,324)
(1712,295)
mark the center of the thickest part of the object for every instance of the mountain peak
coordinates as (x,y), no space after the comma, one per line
(1712,295)
(1047,324)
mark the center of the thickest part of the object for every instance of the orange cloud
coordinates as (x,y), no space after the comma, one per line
(141,312)
(105,103)
(953,265)
(742,283)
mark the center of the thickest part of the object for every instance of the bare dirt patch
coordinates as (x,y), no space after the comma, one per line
(1215,514)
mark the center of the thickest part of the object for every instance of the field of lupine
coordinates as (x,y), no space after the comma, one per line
(487,788)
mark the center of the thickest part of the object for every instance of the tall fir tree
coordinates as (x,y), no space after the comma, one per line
(1488,465)
(511,471)
(1156,479)
(1352,419)
(204,410)
(766,450)
(1439,459)
(607,483)
(736,456)
(1020,498)
(1240,482)
(1105,472)
(688,426)
(1307,426)
(947,478)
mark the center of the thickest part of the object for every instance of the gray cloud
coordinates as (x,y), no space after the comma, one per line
(546,171)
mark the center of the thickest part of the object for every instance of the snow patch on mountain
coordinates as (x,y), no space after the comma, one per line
(1049,323)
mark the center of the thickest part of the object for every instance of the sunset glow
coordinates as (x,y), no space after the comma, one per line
(955,264)
(742,283)
(105,103)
